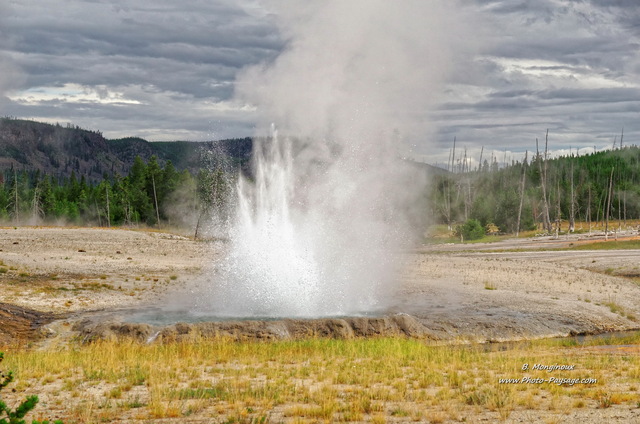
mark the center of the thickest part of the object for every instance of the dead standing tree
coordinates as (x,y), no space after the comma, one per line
(522,182)
(558,219)
(543,182)
(447,208)
(467,181)
(572,209)
(15,198)
(589,208)
(37,211)
(606,227)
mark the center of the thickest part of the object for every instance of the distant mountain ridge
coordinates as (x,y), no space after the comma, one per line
(59,151)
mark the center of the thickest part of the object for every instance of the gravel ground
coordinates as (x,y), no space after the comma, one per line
(77,269)
(480,296)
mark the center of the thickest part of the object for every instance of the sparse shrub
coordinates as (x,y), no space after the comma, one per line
(604,400)
(488,285)
(470,230)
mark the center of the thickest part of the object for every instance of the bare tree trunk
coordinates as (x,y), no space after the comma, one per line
(546,165)
(504,161)
(195,236)
(108,210)
(602,208)
(558,210)
(589,210)
(155,199)
(453,155)
(606,228)
(127,214)
(522,181)
(447,205)
(467,197)
(624,206)
(619,211)
(98,212)
(36,207)
(572,215)
(543,182)
(16,198)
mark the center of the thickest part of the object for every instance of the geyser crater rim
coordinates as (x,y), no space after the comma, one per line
(162,317)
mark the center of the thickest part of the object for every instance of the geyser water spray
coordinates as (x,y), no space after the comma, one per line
(318,226)
(271,270)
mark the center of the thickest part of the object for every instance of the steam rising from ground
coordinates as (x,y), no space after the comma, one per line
(315,234)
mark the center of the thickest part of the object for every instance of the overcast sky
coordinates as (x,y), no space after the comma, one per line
(165,70)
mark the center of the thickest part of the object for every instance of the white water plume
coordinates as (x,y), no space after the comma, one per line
(318,229)
(270,268)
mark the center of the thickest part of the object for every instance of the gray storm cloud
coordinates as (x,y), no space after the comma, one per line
(10,77)
(178,65)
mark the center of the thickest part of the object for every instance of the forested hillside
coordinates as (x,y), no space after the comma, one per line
(55,174)
(539,193)
(149,194)
(56,150)
(59,151)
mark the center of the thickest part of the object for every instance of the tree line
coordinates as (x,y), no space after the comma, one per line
(535,193)
(150,194)
(541,193)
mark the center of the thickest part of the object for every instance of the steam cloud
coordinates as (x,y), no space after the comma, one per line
(317,232)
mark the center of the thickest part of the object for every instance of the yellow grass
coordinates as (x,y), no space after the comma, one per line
(317,380)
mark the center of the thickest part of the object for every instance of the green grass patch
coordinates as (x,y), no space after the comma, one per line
(596,245)
(614,307)
(200,393)
(488,285)
(485,239)
(606,245)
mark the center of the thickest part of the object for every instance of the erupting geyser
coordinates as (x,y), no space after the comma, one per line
(276,265)
(330,200)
